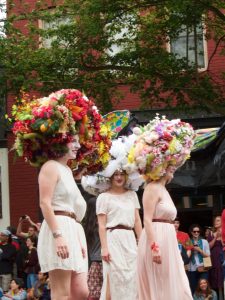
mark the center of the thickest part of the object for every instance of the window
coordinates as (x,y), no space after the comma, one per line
(191,45)
(124,36)
(49,27)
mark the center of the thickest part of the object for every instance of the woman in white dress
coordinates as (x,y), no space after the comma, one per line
(118,218)
(62,245)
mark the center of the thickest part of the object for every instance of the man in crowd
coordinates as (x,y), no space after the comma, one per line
(7,258)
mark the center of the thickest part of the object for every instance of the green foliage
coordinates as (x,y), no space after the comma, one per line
(85,32)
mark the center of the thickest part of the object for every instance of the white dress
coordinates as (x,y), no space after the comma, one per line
(122,246)
(66,197)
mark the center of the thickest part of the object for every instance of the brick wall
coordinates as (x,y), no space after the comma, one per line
(23,187)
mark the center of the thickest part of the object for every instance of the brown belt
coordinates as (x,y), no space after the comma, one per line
(163,221)
(65,213)
(119,227)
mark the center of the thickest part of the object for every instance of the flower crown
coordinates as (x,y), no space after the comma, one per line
(44,126)
(160,144)
(100,182)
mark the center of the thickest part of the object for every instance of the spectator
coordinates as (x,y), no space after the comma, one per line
(184,243)
(199,251)
(32,229)
(95,276)
(8,254)
(216,247)
(204,292)
(208,231)
(41,290)
(31,262)
(16,291)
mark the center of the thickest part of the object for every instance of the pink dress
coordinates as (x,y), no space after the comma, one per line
(166,281)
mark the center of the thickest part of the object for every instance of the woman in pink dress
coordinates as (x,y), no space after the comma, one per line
(161,147)
(161,273)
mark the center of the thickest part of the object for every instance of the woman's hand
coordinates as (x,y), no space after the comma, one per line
(156,255)
(105,255)
(62,249)
(198,249)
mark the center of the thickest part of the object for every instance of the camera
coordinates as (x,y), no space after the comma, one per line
(23,217)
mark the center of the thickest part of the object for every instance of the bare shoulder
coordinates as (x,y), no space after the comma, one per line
(153,188)
(49,169)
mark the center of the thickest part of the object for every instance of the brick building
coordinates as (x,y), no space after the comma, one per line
(19,188)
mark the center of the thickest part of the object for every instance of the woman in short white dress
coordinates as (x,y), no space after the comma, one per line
(62,243)
(118,218)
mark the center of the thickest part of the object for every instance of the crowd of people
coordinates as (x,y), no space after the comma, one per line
(21,278)
(110,254)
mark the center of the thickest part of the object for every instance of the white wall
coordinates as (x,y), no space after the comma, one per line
(5,220)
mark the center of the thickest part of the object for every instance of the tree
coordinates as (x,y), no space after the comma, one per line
(106,44)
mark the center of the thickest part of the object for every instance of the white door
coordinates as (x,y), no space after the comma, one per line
(4,189)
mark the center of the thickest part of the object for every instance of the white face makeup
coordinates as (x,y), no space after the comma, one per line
(118,179)
(73,147)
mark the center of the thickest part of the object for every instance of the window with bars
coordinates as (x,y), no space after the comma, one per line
(190,45)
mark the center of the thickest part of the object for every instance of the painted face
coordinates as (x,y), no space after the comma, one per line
(203,285)
(119,179)
(73,147)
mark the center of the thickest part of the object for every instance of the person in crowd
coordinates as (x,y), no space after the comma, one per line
(61,235)
(95,274)
(32,228)
(40,291)
(119,223)
(184,243)
(16,291)
(208,231)
(118,219)
(204,292)
(162,147)
(31,266)
(216,277)
(7,258)
(201,249)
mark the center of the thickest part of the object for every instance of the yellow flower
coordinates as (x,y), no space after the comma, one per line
(131,155)
(172,146)
(104,130)
(101,148)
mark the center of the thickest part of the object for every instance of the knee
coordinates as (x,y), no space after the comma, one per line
(82,294)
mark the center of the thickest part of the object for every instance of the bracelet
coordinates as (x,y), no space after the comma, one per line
(57,233)
(155,247)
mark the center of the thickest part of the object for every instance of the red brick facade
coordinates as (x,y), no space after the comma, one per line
(23,184)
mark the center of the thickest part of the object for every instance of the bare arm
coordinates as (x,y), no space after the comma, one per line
(137,224)
(103,237)
(48,178)
(19,230)
(150,198)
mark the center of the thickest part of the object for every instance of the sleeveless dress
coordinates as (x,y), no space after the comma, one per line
(166,281)
(122,269)
(66,197)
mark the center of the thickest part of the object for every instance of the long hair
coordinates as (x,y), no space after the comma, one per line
(91,223)
(198,291)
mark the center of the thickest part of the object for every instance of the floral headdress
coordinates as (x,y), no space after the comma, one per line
(44,126)
(100,182)
(160,144)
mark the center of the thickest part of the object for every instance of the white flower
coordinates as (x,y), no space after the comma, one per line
(137,131)
(85,98)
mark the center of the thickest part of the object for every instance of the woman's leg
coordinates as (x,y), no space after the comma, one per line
(60,282)
(79,287)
